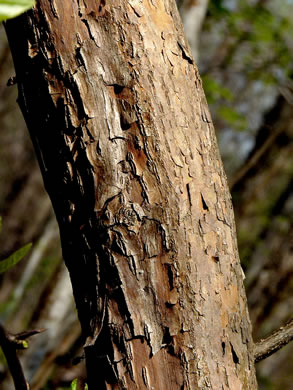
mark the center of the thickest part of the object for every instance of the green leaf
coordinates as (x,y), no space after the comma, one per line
(215,91)
(233,118)
(14,258)
(74,384)
(20,344)
(11,8)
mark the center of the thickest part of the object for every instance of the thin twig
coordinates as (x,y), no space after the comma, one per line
(10,343)
(9,349)
(271,344)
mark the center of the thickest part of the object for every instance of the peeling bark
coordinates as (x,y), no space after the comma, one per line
(121,128)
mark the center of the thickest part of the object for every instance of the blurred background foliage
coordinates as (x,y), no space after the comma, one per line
(244,53)
(245,58)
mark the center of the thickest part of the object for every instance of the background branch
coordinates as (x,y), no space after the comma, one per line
(266,347)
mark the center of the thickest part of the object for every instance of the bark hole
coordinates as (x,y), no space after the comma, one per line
(167,338)
(170,276)
(125,125)
(234,355)
(118,88)
(101,5)
(204,205)
(223,348)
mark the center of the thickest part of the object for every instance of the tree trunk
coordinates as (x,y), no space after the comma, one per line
(116,112)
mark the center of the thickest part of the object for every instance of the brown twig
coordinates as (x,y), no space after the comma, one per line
(10,343)
(271,344)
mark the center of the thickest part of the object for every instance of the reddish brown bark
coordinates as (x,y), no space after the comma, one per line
(115,108)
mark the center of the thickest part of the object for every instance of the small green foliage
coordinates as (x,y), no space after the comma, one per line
(232,118)
(259,39)
(217,7)
(12,8)
(20,344)
(13,259)
(214,90)
(221,96)
(74,385)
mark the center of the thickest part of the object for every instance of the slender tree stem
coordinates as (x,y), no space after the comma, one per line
(277,340)
(9,346)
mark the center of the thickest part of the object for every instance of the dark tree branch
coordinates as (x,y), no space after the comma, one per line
(9,348)
(277,340)
(10,343)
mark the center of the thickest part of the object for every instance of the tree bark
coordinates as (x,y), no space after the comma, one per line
(115,108)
